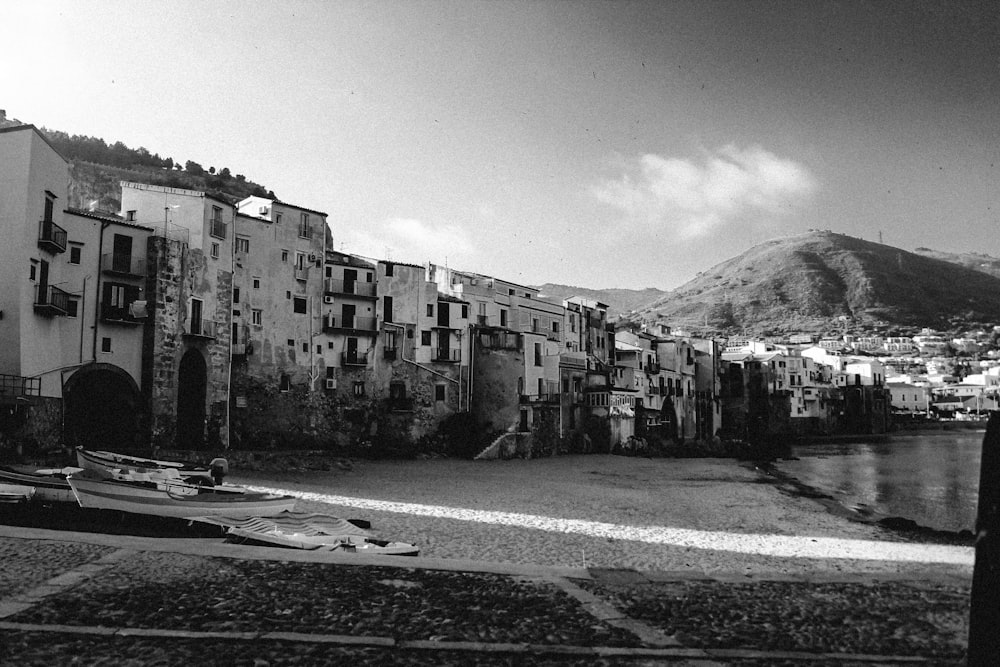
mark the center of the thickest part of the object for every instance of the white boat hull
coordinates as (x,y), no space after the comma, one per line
(50,485)
(147,499)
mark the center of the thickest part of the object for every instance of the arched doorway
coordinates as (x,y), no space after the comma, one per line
(192,380)
(102,409)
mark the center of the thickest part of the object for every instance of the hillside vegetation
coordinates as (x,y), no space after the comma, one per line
(97,168)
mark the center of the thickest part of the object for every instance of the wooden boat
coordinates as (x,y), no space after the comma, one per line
(100,490)
(15,493)
(103,460)
(314,532)
(50,484)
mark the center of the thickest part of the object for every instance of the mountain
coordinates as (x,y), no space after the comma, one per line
(619,301)
(812,282)
(970,260)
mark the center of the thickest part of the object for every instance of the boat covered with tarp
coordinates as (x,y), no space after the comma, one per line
(313,532)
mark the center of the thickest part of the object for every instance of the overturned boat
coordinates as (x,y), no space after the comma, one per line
(171,497)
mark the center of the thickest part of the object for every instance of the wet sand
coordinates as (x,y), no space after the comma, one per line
(692,515)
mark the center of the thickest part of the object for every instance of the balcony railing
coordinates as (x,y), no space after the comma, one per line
(123,265)
(218,228)
(447,356)
(305,231)
(51,301)
(554,335)
(203,329)
(547,397)
(15,388)
(51,237)
(351,287)
(340,323)
(353,359)
(118,315)
(239,349)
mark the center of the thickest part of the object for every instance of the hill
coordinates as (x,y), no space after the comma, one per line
(810,281)
(97,168)
(619,301)
(971,260)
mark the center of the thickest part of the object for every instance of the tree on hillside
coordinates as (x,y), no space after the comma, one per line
(193,167)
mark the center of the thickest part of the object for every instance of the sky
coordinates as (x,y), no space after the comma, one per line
(593,144)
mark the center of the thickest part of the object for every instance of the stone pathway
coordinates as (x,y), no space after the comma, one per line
(111,599)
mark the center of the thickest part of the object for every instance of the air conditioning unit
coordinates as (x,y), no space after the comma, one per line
(312,257)
(327,299)
(264,210)
(474,281)
(331,383)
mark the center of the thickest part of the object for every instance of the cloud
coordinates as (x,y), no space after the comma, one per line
(694,199)
(408,240)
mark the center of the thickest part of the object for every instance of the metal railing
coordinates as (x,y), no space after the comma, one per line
(51,301)
(118,314)
(450,356)
(51,236)
(14,387)
(218,228)
(353,287)
(203,329)
(123,264)
(353,359)
(352,323)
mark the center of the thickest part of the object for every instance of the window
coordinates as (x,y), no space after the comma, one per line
(430,310)
(50,202)
(256,283)
(215,251)
(256,317)
(284,256)
(74,254)
(503,317)
(105,345)
(130,216)
(33,270)
(329,345)
(304,229)
(291,342)
(510,292)
(242,245)
(465,312)
(387,308)
(538,354)
(534,324)
(277,218)
(72,306)
(439,392)
(555,326)
(425,337)
(299,304)
(285,383)
(388,268)
(319,349)
(236,295)
(288,294)
(305,347)
(359,388)
(218,227)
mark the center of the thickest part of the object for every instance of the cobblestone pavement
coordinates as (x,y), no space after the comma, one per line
(70,598)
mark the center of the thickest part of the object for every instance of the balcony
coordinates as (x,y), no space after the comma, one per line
(389,353)
(547,397)
(653,368)
(354,359)
(118,315)
(51,301)
(554,335)
(51,237)
(338,323)
(301,273)
(349,287)
(123,265)
(16,389)
(446,356)
(203,329)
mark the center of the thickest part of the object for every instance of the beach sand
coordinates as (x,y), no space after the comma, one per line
(711,516)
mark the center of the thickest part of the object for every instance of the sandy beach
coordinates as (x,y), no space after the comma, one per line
(707,516)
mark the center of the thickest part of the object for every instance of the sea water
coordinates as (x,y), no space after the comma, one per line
(929,477)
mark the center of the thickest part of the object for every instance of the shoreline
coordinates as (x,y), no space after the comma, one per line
(902,526)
